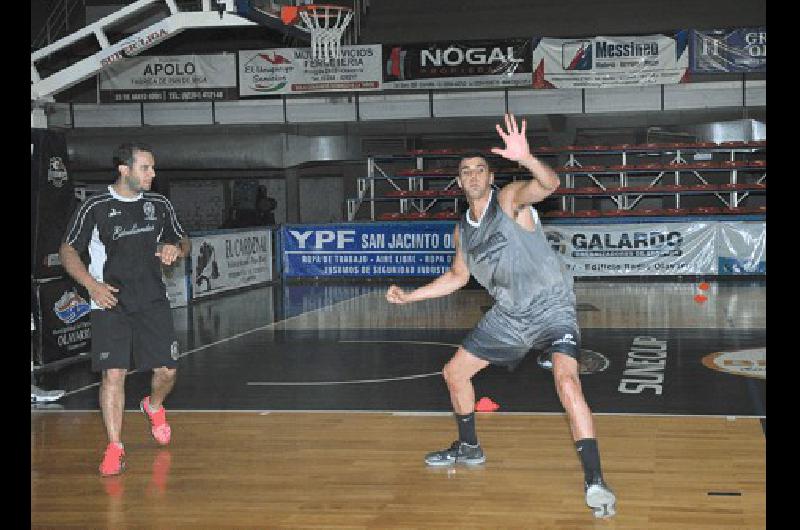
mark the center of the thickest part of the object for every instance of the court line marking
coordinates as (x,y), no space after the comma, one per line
(353,382)
(359,381)
(232,337)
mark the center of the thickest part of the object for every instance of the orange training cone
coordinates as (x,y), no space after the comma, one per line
(485,404)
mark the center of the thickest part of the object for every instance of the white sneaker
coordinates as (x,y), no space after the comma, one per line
(601,499)
(46,396)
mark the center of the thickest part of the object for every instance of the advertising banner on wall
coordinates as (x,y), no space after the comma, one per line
(466,64)
(295,71)
(225,261)
(172,78)
(636,249)
(62,319)
(368,249)
(742,247)
(605,62)
(729,50)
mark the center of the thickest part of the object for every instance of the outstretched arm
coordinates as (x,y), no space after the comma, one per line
(452,280)
(545,181)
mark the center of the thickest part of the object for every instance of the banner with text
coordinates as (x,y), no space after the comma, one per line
(742,247)
(170,79)
(604,62)
(62,319)
(729,50)
(225,261)
(636,249)
(294,71)
(368,249)
(469,64)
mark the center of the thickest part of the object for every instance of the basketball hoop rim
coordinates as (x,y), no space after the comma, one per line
(291,14)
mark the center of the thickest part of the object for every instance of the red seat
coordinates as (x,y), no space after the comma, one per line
(390,216)
(557,213)
(447,214)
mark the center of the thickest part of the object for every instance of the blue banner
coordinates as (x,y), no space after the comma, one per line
(367,250)
(737,50)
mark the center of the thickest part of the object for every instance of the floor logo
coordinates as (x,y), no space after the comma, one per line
(750,363)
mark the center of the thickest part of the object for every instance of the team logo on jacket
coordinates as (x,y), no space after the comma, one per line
(71,307)
(56,172)
(149,211)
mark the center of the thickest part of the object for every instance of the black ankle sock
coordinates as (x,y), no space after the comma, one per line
(466,428)
(590,459)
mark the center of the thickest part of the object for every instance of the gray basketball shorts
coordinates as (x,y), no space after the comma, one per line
(505,338)
(147,335)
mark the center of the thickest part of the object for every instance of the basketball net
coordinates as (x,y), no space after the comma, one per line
(325,23)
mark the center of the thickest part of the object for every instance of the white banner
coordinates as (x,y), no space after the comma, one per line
(742,247)
(221,262)
(602,62)
(636,249)
(294,71)
(170,78)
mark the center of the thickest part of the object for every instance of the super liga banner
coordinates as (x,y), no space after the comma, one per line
(465,64)
(295,71)
(170,79)
(368,249)
(648,249)
(603,62)
(222,261)
(736,50)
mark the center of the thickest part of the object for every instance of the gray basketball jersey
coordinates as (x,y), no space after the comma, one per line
(518,268)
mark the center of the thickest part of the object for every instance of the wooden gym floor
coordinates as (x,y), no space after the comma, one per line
(311,406)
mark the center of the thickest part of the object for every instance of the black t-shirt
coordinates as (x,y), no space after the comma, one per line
(122,236)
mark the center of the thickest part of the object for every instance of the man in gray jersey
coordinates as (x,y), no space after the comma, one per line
(500,241)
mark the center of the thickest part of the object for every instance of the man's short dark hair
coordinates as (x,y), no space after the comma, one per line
(475,154)
(124,154)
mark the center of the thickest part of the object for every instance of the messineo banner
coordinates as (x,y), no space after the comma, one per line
(603,62)
(172,78)
(295,71)
(729,50)
(464,64)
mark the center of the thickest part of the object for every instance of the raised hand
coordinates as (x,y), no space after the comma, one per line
(516,144)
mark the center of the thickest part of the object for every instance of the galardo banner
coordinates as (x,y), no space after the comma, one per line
(604,62)
(295,71)
(468,64)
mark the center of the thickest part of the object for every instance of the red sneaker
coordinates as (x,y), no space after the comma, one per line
(158,422)
(113,460)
